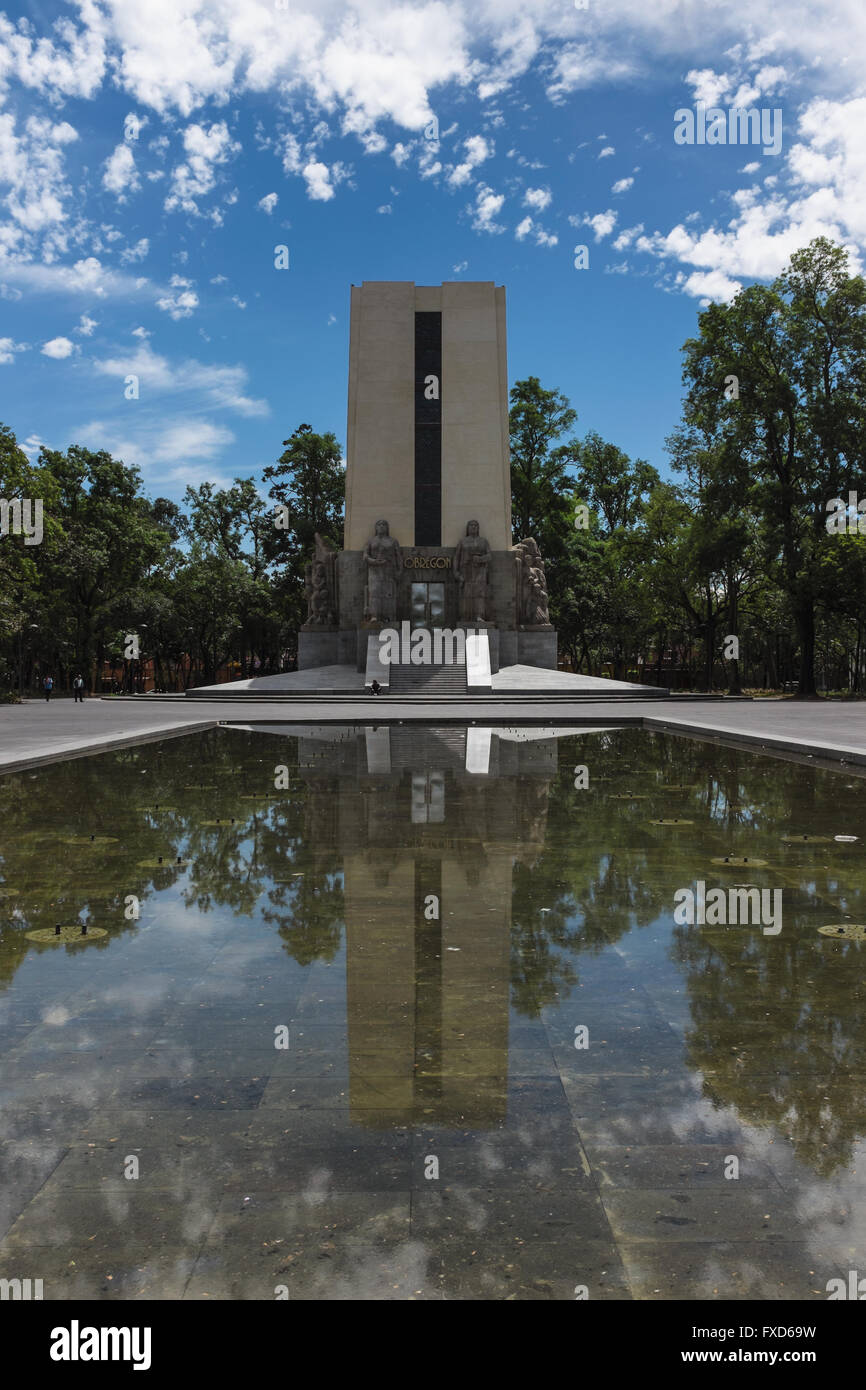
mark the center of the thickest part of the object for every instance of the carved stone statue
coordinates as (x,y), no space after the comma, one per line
(321,586)
(532,596)
(383,560)
(471,563)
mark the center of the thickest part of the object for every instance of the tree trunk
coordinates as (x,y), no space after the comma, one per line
(805,620)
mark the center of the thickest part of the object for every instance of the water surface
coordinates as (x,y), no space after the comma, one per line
(405,1014)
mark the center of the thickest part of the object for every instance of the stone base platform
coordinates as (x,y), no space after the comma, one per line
(527,646)
(510,682)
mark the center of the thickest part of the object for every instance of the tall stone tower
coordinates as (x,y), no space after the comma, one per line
(428,413)
(428,484)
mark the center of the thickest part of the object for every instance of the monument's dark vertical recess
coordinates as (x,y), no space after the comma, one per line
(428,428)
(428,979)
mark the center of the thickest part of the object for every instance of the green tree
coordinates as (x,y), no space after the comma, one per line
(789,432)
(541,468)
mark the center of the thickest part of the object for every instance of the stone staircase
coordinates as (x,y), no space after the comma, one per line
(446,679)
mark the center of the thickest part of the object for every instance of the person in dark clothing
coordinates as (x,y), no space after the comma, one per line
(375,687)
(48,686)
(78,689)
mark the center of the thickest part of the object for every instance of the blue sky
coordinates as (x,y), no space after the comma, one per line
(154,152)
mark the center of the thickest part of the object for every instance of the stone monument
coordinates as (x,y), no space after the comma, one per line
(427,444)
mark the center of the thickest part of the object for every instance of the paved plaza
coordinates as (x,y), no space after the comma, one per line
(36,732)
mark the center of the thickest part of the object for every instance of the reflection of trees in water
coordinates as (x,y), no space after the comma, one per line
(308,915)
(778,1023)
(780,1030)
(43,880)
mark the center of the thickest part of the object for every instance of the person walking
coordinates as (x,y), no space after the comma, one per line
(78,689)
(48,686)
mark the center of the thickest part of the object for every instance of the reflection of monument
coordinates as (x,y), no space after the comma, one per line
(427,883)
(427,447)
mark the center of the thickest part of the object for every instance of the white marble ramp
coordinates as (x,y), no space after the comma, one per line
(316,679)
(527,680)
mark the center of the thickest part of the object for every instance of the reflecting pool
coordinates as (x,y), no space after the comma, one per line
(414,1013)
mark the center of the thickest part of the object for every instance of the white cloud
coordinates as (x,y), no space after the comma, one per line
(268,203)
(709,88)
(627,236)
(74,66)
(318,180)
(751,168)
(487,207)
(32,445)
(606,152)
(32,164)
(542,238)
(219,385)
(207,148)
(709,285)
(180,451)
(58,348)
(586,65)
(459,268)
(515,47)
(477,150)
(121,177)
(538,198)
(241,303)
(136,252)
(826,196)
(622,185)
(86,326)
(770,79)
(8,349)
(602,223)
(385,208)
(368,61)
(183,302)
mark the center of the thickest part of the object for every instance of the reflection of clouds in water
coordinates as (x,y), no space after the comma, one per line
(316,1190)
(833,1213)
(245,953)
(708,1278)
(138,995)
(56,1016)
(490,1159)
(701,1115)
(365,1273)
(167,915)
